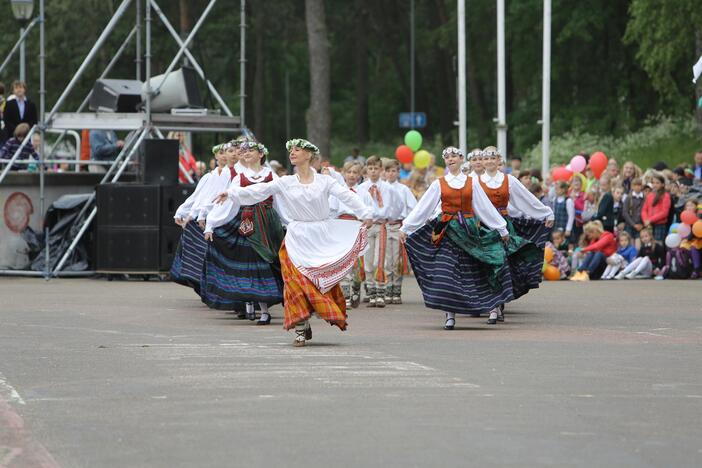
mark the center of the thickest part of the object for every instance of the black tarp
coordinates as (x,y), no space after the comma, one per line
(62,221)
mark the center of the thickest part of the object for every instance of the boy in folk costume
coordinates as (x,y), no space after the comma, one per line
(382,196)
(396,261)
(351,283)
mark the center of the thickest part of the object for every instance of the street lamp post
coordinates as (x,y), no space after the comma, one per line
(22,11)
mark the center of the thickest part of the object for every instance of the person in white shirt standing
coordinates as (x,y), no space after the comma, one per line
(382,195)
(396,262)
(351,283)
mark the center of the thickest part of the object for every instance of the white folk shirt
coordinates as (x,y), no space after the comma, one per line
(338,208)
(387,194)
(312,239)
(431,201)
(227,211)
(522,202)
(404,201)
(215,185)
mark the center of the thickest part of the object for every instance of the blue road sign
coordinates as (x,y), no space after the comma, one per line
(413,120)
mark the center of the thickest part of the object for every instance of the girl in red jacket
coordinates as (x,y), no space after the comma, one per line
(601,245)
(656,208)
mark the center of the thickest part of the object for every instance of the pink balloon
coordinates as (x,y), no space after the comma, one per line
(684,230)
(578,163)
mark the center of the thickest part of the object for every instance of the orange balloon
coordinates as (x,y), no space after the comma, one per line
(697,229)
(548,254)
(552,274)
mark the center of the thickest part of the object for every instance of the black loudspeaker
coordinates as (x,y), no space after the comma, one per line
(172,196)
(159,161)
(129,205)
(128,249)
(170,237)
(115,95)
(135,228)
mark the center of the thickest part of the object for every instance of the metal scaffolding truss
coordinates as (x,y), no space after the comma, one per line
(140,124)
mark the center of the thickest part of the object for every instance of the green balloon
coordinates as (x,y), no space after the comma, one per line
(413,139)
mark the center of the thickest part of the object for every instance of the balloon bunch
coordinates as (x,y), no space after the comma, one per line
(410,152)
(578,163)
(689,224)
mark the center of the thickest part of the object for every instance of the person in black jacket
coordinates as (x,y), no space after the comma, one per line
(18,110)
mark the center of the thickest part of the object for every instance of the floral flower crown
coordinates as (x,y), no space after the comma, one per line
(302,144)
(217,148)
(260,147)
(454,150)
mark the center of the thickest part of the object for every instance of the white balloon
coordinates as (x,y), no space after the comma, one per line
(672,241)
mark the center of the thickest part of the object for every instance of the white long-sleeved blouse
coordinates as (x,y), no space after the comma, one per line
(387,195)
(520,198)
(431,200)
(183,211)
(312,239)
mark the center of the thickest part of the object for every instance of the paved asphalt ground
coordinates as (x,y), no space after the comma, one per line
(140,374)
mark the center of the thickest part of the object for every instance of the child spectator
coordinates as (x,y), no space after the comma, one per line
(578,197)
(692,243)
(601,244)
(618,196)
(563,210)
(649,260)
(559,247)
(591,201)
(11,146)
(626,253)
(656,207)
(631,211)
(605,207)
(576,255)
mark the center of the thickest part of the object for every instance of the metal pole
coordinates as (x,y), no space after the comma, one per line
(546,93)
(18,43)
(23,66)
(242,65)
(90,218)
(137,26)
(42,121)
(93,52)
(185,44)
(501,106)
(287,104)
(412,75)
(462,111)
(192,60)
(147,59)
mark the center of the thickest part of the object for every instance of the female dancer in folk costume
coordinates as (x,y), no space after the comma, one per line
(241,268)
(317,252)
(458,257)
(351,283)
(186,268)
(533,228)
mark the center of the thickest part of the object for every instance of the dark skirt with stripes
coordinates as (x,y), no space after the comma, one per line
(235,273)
(527,270)
(453,280)
(186,268)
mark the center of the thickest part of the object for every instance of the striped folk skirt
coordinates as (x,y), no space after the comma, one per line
(303,298)
(527,269)
(453,276)
(186,268)
(240,269)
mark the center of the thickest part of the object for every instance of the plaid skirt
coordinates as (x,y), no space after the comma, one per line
(190,255)
(302,298)
(456,278)
(234,270)
(527,272)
